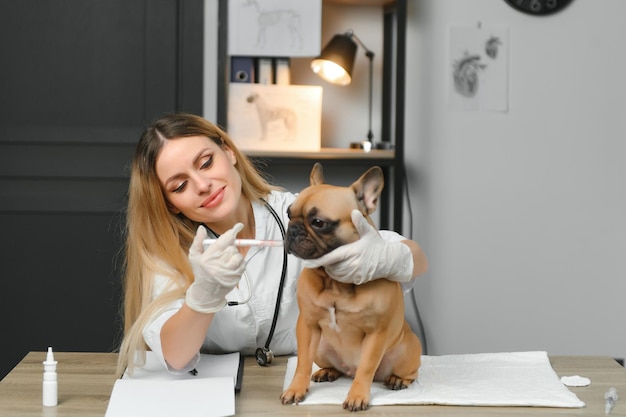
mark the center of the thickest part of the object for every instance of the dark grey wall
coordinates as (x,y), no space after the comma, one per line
(79,81)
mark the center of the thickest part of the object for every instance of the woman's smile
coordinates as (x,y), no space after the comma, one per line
(214,199)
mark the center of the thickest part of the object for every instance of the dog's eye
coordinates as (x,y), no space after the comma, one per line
(318,223)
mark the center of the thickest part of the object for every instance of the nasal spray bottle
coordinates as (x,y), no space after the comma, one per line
(50,389)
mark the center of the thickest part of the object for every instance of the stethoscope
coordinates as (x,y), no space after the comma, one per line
(264,355)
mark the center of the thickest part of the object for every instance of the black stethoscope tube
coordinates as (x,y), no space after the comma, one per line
(264,355)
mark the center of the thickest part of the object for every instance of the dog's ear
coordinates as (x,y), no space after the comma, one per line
(317,174)
(368,188)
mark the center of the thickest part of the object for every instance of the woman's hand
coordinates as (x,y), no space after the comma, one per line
(217,270)
(370,257)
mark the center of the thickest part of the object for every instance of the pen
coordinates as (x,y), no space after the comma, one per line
(250,242)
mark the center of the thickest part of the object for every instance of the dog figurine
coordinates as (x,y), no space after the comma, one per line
(346,329)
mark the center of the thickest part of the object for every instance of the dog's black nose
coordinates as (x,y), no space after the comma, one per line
(293,231)
(296,234)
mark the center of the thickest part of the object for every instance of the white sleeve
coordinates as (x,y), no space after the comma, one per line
(152,336)
(391,236)
(152,331)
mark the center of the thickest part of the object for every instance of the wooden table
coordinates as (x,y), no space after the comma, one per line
(86,381)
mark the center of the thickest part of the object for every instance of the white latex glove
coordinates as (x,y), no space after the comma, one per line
(370,257)
(216,270)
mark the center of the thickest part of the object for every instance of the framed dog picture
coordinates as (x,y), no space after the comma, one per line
(274,28)
(275,117)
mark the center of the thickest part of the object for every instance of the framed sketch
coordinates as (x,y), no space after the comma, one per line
(275,117)
(274,27)
(479,68)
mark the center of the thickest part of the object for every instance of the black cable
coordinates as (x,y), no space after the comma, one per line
(415,307)
(282,278)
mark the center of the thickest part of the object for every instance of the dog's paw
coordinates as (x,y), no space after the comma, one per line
(326,375)
(397,383)
(293,395)
(358,398)
(356,403)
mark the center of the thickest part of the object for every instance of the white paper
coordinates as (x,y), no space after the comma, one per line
(522,379)
(274,27)
(200,397)
(210,366)
(153,391)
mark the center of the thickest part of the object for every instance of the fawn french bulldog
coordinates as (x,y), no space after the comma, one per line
(346,329)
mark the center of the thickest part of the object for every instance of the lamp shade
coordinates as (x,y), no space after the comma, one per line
(336,61)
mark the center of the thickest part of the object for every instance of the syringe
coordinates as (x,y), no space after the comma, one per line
(249,242)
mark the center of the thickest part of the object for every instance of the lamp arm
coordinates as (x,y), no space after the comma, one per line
(370,56)
(368,52)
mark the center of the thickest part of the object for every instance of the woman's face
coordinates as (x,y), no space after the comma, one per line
(199,179)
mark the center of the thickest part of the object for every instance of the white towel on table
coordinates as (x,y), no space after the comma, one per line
(485,379)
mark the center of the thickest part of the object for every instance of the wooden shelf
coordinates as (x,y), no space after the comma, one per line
(361,2)
(328,156)
(326,153)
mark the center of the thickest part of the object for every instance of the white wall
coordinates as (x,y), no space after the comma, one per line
(522,214)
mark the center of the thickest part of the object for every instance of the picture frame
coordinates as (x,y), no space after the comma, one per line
(274,28)
(275,117)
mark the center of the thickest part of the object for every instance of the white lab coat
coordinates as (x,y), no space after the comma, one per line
(244,328)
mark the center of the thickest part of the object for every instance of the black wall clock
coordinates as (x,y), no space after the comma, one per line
(538,7)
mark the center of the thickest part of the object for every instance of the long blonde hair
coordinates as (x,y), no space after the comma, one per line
(157,240)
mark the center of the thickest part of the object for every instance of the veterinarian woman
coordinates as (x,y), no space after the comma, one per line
(189,182)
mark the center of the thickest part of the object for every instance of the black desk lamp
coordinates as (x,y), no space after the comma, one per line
(335,66)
